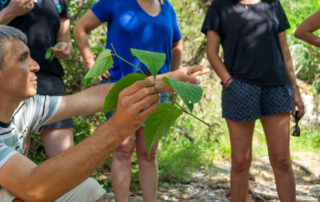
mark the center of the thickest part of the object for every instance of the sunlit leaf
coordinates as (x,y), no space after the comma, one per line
(189,93)
(102,64)
(49,54)
(159,123)
(153,61)
(111,100)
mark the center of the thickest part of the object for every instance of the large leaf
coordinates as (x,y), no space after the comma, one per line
(159,123)
(153,61)
(110,103)
(102,64)
(189,93)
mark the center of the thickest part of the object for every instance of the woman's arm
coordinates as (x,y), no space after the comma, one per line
(177,49)
(84,26)
(213,43)
(306,29)
(14,9)
(290,69)
(64,46)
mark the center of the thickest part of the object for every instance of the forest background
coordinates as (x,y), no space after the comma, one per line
(190,146)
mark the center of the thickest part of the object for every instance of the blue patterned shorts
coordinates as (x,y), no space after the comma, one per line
(246,102)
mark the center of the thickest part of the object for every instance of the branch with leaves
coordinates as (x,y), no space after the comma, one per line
(159,123)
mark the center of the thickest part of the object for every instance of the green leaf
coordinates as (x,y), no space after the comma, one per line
(153,61)
(159,123)
(110,103)
(102,64)
(48,54)
(189,93)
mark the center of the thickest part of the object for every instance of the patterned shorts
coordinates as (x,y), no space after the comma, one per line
(246,102)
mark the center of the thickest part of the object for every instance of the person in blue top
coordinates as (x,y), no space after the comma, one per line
(141,24)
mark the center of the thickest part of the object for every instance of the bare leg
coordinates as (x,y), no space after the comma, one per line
(57,140)
(121,169)
(241,156)
(148,168)
(276,128)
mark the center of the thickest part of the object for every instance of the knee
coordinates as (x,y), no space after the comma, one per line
(143,155)
(240,164)
(281,163)
(123,153)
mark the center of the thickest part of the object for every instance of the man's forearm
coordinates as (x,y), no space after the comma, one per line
(71,167)
(88,101)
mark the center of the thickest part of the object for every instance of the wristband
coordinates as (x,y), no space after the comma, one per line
(226,84)
(295,86)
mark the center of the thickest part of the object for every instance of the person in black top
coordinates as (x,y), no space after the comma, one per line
(259,83)
(46,24)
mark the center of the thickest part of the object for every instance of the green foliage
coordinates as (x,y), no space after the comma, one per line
(153,61)
(111,100)
(189,93)
(49,54)
(159,123)
(102,64)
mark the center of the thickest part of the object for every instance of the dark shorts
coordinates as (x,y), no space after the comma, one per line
(245,102)
(52,85)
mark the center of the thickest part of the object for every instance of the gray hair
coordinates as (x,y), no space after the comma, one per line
(7,32)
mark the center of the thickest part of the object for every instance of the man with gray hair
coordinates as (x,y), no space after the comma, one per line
(64,177)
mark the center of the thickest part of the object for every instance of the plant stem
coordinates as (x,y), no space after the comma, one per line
(116,54)
(185,111)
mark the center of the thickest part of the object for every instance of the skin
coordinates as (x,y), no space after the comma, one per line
(276,128)
(306,29)
(31,182)
(121,161)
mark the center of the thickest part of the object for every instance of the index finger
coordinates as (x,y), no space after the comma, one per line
(137,86)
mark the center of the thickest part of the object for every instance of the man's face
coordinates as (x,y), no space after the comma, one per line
(17,77)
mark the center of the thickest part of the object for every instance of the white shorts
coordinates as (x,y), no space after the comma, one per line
(87,191)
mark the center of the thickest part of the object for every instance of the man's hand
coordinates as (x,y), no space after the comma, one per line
(135,104)
(20,7)
(185,74)
(62,50)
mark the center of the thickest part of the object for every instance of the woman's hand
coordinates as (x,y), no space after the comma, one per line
(298,102)
(20,7)
(62,50)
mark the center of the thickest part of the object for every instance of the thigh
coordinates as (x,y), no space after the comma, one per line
(277,128)
(240,138)
(241,101)
(126,146)
(87,191)
(141,147)
(7,196)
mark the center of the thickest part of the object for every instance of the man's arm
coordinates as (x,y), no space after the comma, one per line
(306,29)
(58,175)
(14,9)
(91,100)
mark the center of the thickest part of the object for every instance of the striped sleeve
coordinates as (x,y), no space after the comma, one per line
(5,153)
(44,108)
